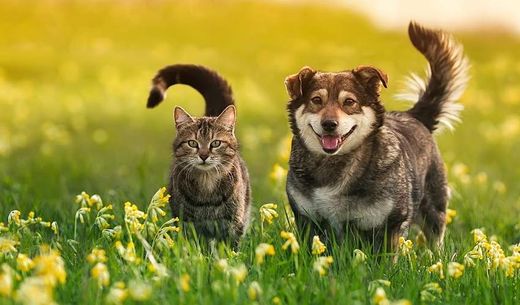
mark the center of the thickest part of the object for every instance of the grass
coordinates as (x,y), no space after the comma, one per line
(73,83)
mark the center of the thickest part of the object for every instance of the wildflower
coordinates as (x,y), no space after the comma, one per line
(96,201)
(460,171)
(405,246)
(24,263)
(317,246)
(159,270)
(268,212)
(81,213)
(379,297)
(158,202)
(359,257)
(278,173)
(437,268)
(276,301)
(185,282)
(239,273)
(14,218)
(6,281)
(132,216)
(429,292)
(112,234)
(54,227)
(290,241)
(254,291)
(83,199)
(450,214)
(499,187)
(8,245)
(478,235)
(482,178)
(3,228)
(139,291)
(262,250)
(222,265)
(322,264)
(378,283)
(50,265)
(100,273)
(35,291)
(103,217)
(128,253)
(455,269)
(97,256)
(117,294)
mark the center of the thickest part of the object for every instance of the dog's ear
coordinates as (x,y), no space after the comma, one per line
(371,77)
(180,116)
(295,83)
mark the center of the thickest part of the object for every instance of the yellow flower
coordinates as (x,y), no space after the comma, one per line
(159,201)
(96,201)
(128,253)
(276,301)
(8,245)
(3,228)
(139,291)
(379,297)
(268,212)
(278,173)
(117,294)
(50,265)
(262,250)
(97,256)
(24,263)
(132,216)
(317,246)
(14,218)
(290,241)
(81,213)
(185,282)
(222,265)
(499,187)
(450,214)
(239,273)
(405,246)
(54,227)
(35,291)
(254,291)
(6,281)
(455,269)
(460,171)
(430,291)
(83,199)
(482,178)
(322,264)
(437,268)
(100,273)
(478,235)
(359,257)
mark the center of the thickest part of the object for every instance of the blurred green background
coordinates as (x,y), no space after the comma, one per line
(74,77)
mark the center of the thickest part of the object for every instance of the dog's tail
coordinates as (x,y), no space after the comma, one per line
(436,96)
(215,90)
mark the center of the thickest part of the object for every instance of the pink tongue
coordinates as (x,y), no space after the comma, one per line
(330,142)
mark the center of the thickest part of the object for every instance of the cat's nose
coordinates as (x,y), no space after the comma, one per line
(204,157)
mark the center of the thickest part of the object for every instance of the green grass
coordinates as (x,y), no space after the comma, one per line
(74,78)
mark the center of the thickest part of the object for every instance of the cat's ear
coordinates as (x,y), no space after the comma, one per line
(180,116)
(228,117)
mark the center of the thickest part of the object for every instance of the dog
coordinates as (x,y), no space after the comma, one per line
(354,167)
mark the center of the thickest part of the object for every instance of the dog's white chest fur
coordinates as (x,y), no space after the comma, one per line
(328,203)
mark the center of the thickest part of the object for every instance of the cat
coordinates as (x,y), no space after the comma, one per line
(209,181)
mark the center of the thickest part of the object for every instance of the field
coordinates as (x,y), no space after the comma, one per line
(74,78)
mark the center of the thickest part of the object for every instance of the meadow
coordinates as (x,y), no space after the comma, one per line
(74,77)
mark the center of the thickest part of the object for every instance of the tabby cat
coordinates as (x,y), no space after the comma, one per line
(209,181)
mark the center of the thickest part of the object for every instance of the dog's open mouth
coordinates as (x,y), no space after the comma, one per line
(332,143)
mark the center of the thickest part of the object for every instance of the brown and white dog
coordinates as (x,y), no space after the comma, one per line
(355,167)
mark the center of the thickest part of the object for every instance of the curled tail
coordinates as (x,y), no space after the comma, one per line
(436,96)
(215,90)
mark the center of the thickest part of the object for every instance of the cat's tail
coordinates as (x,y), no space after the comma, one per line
(215,90)
(436,96)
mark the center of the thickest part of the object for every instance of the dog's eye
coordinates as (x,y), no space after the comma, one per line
(215,143)
(316,100)
(349,102)
(193,143)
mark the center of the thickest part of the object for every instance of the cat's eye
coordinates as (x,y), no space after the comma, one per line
(215,143)
(316,100)
(193,143)
(349,102)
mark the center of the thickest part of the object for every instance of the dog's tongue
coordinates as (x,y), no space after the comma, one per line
(330,142)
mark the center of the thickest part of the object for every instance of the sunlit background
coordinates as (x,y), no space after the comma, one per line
(74,77)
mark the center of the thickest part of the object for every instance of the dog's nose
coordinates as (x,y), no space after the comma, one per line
(329,125)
